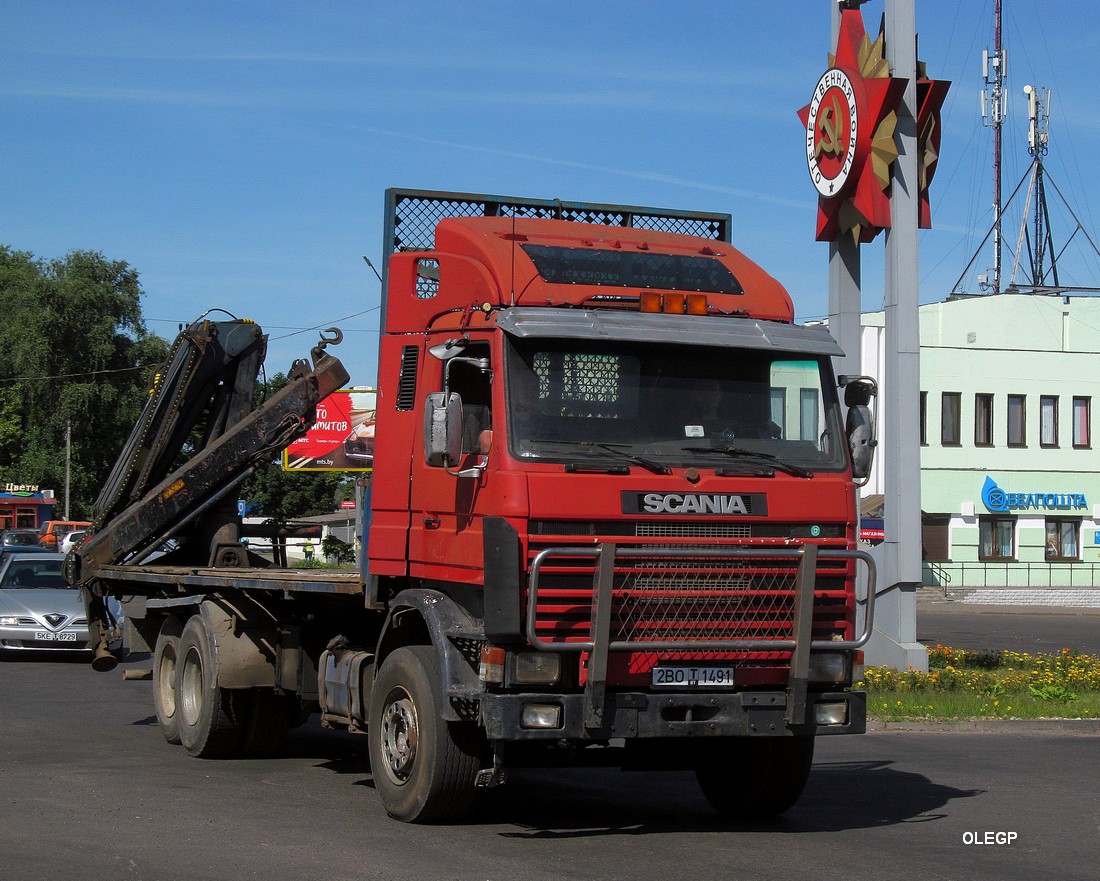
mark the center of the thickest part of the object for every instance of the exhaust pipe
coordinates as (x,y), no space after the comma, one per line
(103,661)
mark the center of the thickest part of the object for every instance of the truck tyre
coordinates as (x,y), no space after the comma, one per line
(165,655)
(423,765)
(211,719)
(754,778)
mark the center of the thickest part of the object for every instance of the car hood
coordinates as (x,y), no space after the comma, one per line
(38,602)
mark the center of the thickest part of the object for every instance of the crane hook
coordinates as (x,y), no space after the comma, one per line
(330,336)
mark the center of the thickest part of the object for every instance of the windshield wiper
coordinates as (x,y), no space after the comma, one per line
(769,458)
(648,464)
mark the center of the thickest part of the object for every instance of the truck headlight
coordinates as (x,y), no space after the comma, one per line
(833,713)
(828,667)
(541,716)
(535,668)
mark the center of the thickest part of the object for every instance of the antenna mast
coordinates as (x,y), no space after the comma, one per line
(1038,140)
(994,107)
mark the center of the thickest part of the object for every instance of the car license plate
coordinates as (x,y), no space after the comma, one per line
(47,636)
(693,677)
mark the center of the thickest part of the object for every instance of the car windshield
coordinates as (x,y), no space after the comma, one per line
(29,574)
(672,405)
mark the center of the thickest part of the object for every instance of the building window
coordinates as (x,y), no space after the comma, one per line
(807,414)
(924,419)
(1061,539)
(997,538)
(1081,436)
(950,411)
(779,409)
(1048,421)
(983,420)
(1017,420)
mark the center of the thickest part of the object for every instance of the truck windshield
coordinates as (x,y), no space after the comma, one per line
(623,404)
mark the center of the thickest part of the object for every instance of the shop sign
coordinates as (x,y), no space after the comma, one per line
(999,500)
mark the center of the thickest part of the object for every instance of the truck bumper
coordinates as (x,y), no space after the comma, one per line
(686,714)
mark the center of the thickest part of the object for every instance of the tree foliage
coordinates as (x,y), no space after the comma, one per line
(76,354)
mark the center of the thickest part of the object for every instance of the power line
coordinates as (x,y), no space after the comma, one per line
(295,330)
(324,324)
(72,375)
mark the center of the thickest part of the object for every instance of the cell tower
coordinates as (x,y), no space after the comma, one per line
(1035,238)
(994,108)
(1040,245)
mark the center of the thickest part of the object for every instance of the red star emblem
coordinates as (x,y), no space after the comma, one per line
(930,98)
(850,135)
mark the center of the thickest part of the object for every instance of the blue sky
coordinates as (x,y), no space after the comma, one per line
(236,153)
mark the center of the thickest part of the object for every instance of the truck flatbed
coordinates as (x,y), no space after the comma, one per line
(330,581)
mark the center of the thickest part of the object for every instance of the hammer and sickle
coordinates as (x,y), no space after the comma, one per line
(829,124)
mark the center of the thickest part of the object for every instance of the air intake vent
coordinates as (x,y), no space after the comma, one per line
(406,385)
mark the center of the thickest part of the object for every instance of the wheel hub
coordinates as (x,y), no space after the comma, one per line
(400,736)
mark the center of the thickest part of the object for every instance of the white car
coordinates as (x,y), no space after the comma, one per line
(39,611)
(71,540)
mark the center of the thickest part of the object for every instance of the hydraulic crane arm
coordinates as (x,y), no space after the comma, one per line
(200,406)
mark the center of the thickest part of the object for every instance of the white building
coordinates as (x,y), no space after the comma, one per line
(1010,482)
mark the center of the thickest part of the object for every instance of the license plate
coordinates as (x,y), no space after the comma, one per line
(676,677)
(47,636)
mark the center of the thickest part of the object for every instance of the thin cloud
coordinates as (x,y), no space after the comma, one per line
(654,177)
(218,98)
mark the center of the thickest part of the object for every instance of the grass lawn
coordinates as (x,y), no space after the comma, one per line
(963,685)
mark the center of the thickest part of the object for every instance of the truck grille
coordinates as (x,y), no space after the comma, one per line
(698,598)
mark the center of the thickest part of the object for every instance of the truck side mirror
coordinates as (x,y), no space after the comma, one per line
(860,428)
(859,425)
(443,429)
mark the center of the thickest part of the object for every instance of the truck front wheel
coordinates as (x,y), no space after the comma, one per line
(423,765)
(211,719)
(165,656)
(753,778)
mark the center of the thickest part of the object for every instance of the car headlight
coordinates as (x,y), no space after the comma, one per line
(8,621)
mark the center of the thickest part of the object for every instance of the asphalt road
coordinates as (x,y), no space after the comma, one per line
(91,790)
(1018,628)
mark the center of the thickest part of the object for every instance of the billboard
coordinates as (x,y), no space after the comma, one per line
(342,438)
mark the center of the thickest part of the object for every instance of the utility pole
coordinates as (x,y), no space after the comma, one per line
(994,106)
(899,555)
(68,457)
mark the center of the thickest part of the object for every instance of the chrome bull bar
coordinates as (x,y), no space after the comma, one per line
(599,645)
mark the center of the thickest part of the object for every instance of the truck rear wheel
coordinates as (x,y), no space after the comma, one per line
(165,655)
(754,778)
(211,719)
(423,765)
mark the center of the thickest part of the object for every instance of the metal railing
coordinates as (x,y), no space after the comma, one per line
(964,574)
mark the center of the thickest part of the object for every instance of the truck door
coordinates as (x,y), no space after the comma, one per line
(446,531)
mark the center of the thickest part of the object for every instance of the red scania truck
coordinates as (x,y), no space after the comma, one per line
(611,521)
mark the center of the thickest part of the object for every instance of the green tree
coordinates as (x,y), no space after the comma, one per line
(77,355)
(287,495)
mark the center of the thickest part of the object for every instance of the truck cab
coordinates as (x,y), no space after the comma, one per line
(625,476)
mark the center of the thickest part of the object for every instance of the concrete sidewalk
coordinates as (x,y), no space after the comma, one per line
(932,604)
(1075,727)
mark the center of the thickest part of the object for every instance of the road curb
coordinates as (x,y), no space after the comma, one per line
(949,606)
(1085,727)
